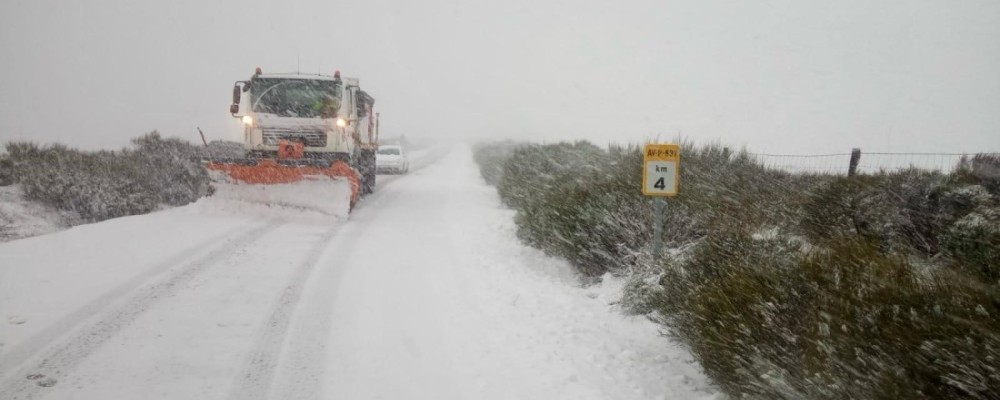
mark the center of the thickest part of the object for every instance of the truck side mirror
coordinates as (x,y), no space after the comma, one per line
(235,107)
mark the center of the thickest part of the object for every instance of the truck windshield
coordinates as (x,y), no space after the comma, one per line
(302,98)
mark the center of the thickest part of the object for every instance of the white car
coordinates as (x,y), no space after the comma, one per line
(391,159)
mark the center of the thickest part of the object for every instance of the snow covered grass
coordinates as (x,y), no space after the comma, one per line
(875,286)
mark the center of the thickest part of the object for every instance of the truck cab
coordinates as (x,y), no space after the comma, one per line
(331,117)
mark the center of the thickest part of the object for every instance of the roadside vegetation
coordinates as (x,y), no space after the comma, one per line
(154,172)
(787,286)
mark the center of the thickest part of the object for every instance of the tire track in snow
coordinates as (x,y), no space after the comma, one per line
(303,363)
(304,354)
(59,359)
(255,380)
(21,353)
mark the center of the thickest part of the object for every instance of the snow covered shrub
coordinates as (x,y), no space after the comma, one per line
(970,227)
(573,201)
(768,321)
(584,203)
(879,328)
(896,210)
(849,287)
(172,168)
(491,158)
(788,286)
(108,184)
(847,322)
(720,186)
(849,207)
(606,217)
(6,171)
(532,169)
(974,241)
(640,294)
(983,170)
(957,199)
(6,231)
(97,185)
(918,220)
(914,212)
(739,309)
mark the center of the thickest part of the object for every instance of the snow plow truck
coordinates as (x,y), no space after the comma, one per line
(303,127)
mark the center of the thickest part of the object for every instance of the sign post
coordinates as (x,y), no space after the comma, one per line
(660,176)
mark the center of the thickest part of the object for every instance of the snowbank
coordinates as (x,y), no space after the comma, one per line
(20,218)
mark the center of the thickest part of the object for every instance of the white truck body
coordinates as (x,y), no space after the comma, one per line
(277,107)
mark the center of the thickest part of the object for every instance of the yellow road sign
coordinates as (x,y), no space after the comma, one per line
(660,169)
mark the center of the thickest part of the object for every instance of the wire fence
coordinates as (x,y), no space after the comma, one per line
(867,163)
(810,164)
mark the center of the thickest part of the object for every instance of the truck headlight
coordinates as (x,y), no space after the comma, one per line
(248,120)
(341,122)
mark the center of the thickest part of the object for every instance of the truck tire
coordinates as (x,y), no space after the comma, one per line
(366,166)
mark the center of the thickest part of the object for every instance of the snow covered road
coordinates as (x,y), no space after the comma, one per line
(423,293)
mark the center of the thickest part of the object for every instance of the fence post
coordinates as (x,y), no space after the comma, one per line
(659,205)
(855,159)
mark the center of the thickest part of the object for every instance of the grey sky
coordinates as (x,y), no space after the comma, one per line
(787,76)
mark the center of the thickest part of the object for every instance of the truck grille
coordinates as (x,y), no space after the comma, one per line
(310,137)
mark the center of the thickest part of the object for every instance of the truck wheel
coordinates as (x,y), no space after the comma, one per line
(367,164)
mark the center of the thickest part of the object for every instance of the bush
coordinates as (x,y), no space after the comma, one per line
(767,321)
(584,203)
(108,184)
(6,171)
(880,328)
(896,210)
(974,242)
(575,200)
(491,158)
(172,167)
(97,185)
(6,231)
(913,212)
(639,294)
(982,170)
(728,300)
(788,285)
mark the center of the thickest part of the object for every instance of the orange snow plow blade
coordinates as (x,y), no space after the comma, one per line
(286,171)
